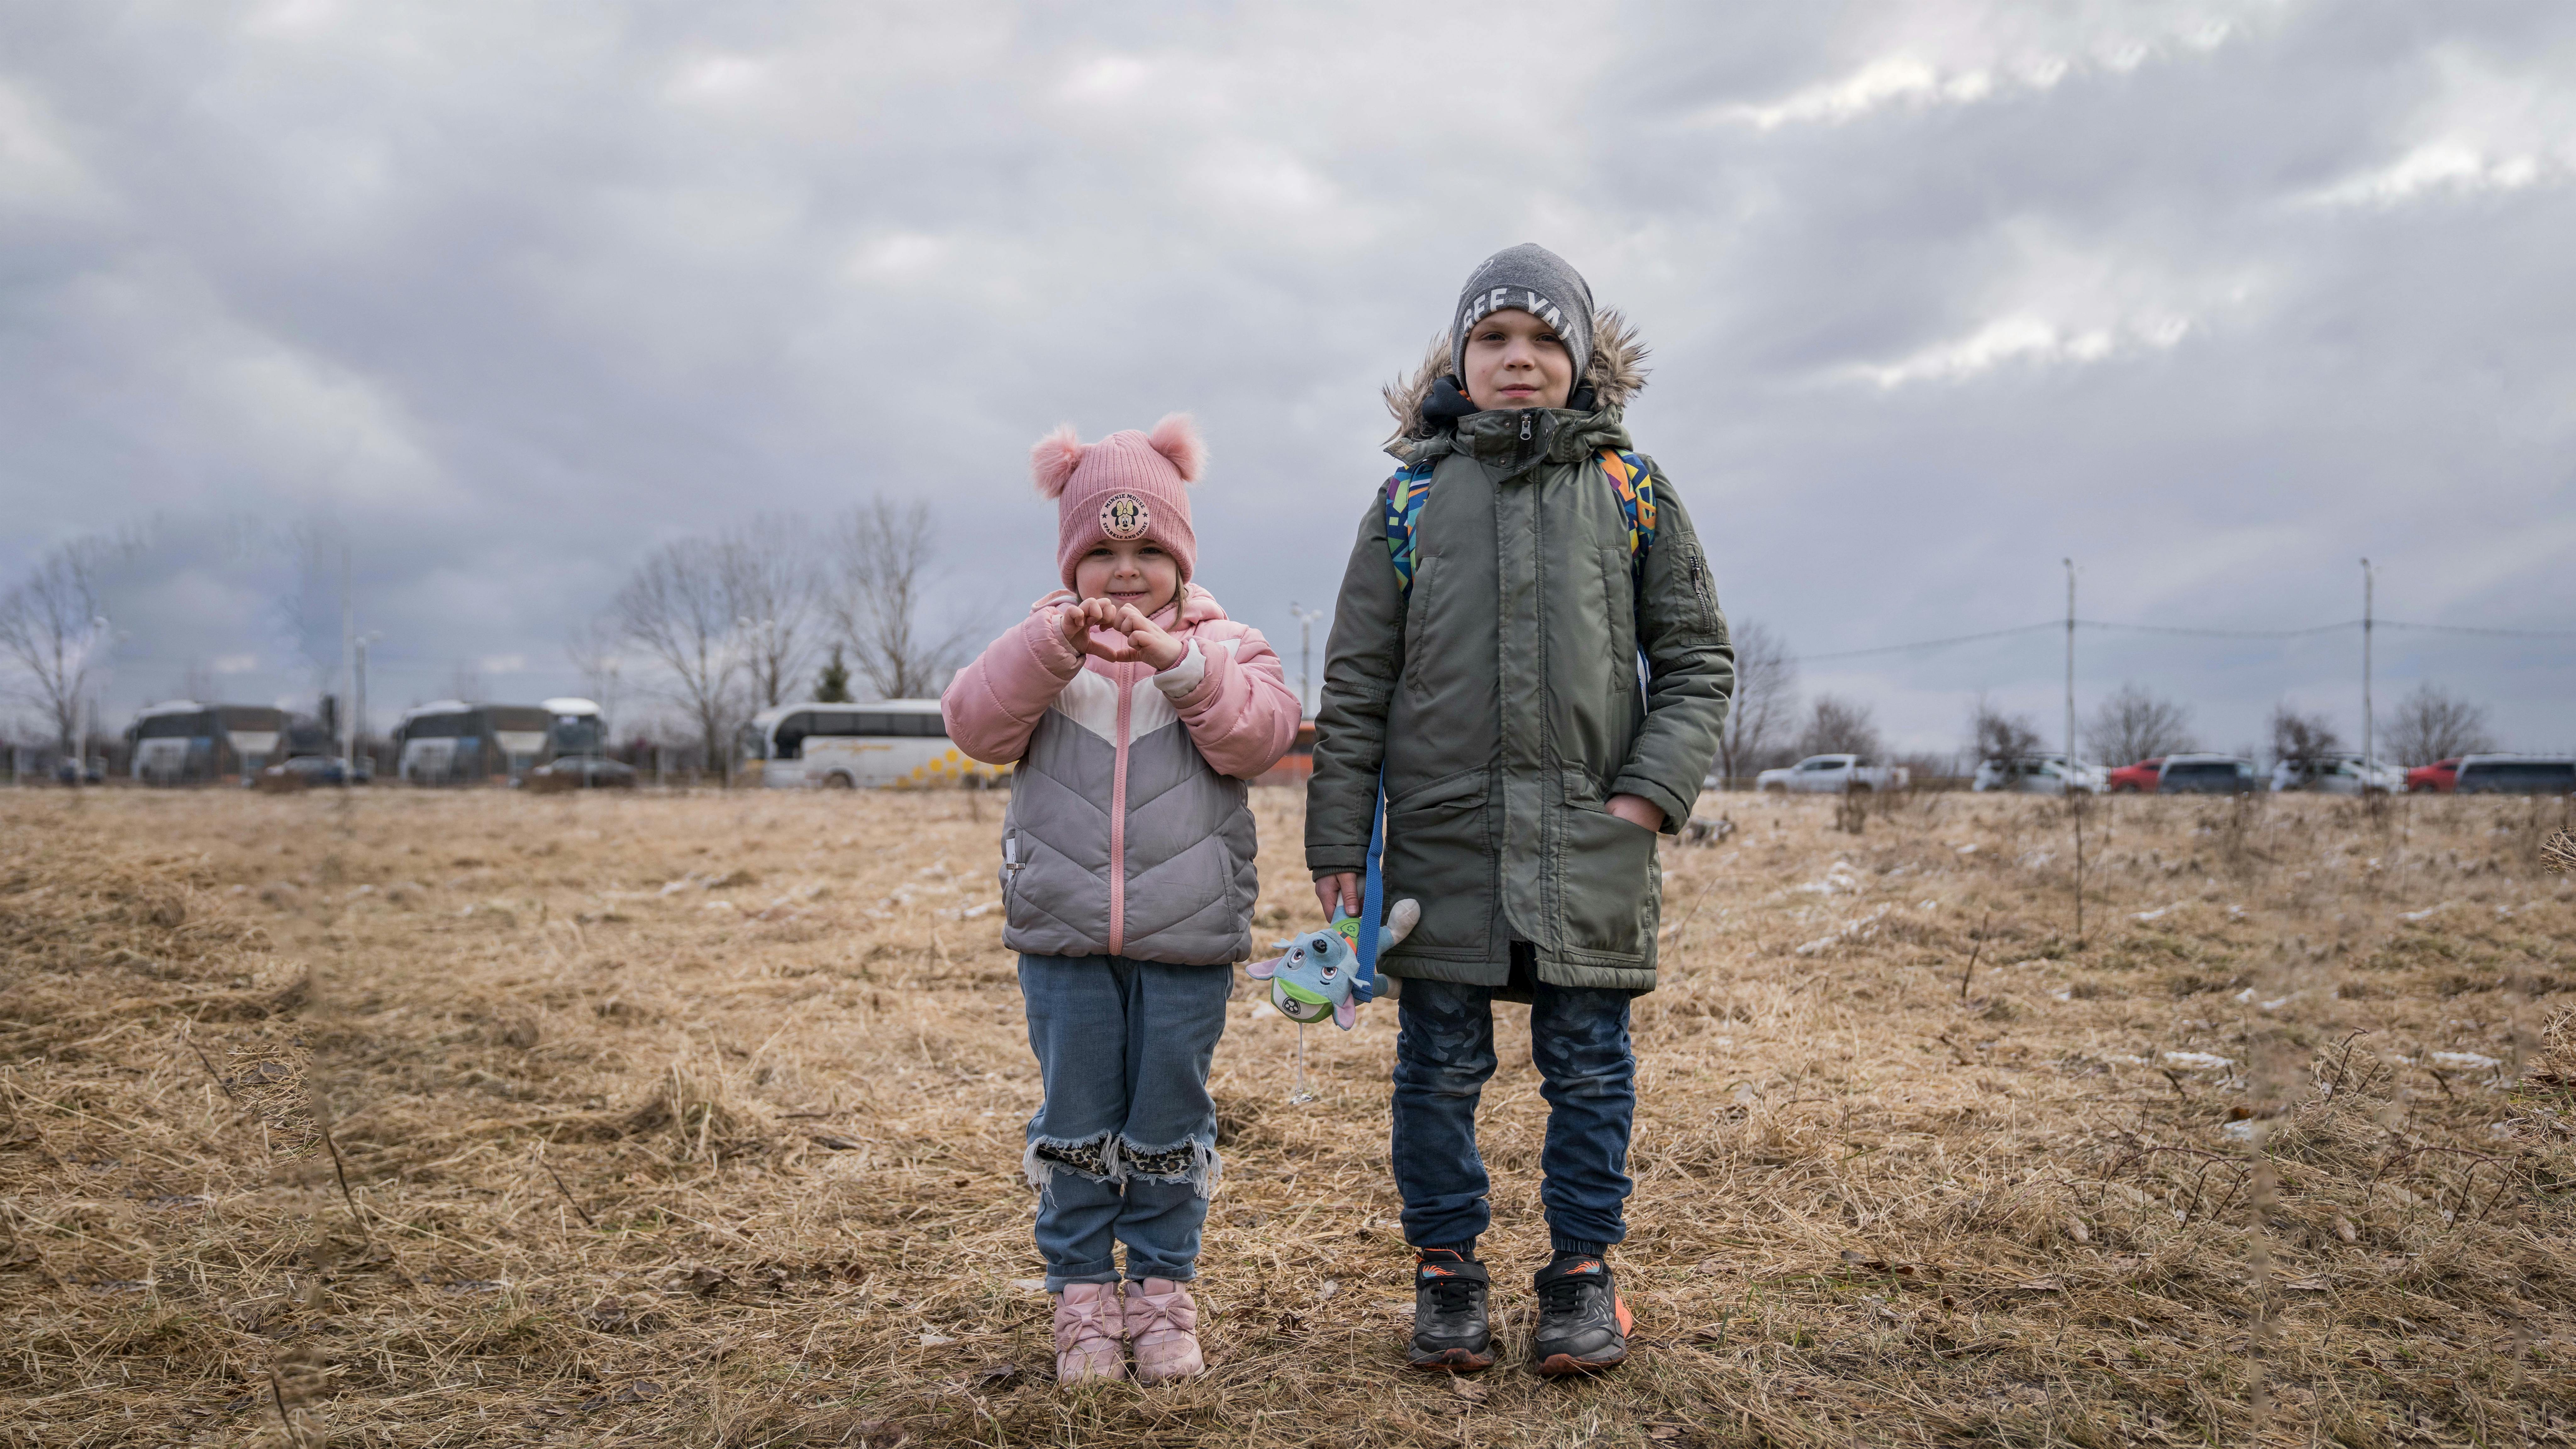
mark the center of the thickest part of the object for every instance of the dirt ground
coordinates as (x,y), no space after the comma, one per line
(409,1118)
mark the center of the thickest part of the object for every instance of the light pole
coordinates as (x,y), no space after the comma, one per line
(348,672)
(98,630)
(2369,759)
(1305,655)
(358,703)
(2070,665)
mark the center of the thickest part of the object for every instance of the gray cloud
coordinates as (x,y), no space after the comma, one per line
(2214,298)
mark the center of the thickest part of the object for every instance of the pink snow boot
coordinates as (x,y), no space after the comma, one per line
(1163,1324)
(1086,1334)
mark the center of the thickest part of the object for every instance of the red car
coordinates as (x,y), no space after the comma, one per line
(2137,779)
(2438,778)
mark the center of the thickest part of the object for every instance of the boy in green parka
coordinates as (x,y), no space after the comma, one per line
(1528,645)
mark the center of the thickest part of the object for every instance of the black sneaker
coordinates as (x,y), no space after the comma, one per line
(1450,1331)
(1582,1325)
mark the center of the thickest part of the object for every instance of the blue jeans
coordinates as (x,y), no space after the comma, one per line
(1124,1147)
(1444,1051)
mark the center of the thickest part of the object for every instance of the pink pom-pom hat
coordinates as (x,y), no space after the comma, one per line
(1128,485)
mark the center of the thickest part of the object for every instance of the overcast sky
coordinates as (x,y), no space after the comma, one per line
(2214,298)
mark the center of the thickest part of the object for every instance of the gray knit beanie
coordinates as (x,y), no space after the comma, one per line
(1537,281)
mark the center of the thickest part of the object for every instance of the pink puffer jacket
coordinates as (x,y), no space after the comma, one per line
(1128,832)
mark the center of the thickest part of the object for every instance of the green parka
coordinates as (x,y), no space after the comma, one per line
(1504,698)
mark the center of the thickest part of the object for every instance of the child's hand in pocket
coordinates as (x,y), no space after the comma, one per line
(1636,810)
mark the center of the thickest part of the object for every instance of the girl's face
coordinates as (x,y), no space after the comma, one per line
(1135,571)
(1514,360)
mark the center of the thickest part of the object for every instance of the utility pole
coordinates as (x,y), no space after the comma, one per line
(2369,759)
(2070,662)
(1305,656)
(358,694)
(2074,787)
(348,672)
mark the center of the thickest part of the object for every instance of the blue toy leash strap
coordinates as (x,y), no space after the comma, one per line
(1372,894)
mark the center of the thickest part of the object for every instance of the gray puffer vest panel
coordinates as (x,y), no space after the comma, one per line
(1155,863)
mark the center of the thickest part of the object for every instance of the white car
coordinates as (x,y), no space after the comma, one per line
(2040,775)
(1831,775)
(2339,774)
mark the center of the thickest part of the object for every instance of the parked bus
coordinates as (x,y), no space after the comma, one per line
(887,742)
(453,742)
(184,742)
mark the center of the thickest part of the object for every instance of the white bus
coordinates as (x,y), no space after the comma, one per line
(184,741)
(900,743)
(453,742)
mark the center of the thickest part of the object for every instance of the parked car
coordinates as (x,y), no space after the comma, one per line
(579,772)
(2516,775)
(306,770)
(95,772)
(1831,775)
(2037,775)
(2437,778)
(2205,775)
(2338,774)
(2137,779)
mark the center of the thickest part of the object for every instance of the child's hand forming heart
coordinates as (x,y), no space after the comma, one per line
(1119,633)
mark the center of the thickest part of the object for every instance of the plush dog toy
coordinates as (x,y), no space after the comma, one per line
(1320,975)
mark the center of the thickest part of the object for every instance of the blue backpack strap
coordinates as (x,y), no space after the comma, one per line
(1372,895)
(1634,483)
(1400,510)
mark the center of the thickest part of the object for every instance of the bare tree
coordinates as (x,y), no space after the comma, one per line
(769,574)
(677,610)
(2432,723)
(1840,727)
(2297,736)
(50,628)
(881,555)
(1995,735)
(2135,723)
(1765,702)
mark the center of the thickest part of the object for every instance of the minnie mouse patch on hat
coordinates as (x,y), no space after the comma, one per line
(1124,516)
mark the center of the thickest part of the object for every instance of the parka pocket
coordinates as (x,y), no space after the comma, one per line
(1608,888)
(1011,866)
(1439,852)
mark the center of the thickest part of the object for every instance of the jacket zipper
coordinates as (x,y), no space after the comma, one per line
(1118,809)
(1701,591)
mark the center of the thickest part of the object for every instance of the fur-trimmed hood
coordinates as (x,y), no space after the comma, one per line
(1617,374)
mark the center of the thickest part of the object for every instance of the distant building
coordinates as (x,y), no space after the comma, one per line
(1298,765)
(184,742)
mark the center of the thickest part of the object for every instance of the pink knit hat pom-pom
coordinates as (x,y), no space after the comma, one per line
(1053,460)
(1177,438)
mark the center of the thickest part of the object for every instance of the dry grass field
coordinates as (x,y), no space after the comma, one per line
(412,1118)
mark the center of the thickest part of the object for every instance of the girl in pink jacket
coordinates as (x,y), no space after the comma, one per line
(1134,710)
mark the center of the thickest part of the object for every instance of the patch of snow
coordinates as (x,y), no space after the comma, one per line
(2198,1061)
(2465,1061)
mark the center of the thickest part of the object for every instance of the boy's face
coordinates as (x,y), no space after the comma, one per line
(1132,571)
(1514,360)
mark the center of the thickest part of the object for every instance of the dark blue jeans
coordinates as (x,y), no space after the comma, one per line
(1123,1150)
(1444,1051)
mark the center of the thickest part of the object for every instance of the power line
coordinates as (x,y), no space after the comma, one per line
(2472,629)
(2183,629)
(2220,633)
(1928,643)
